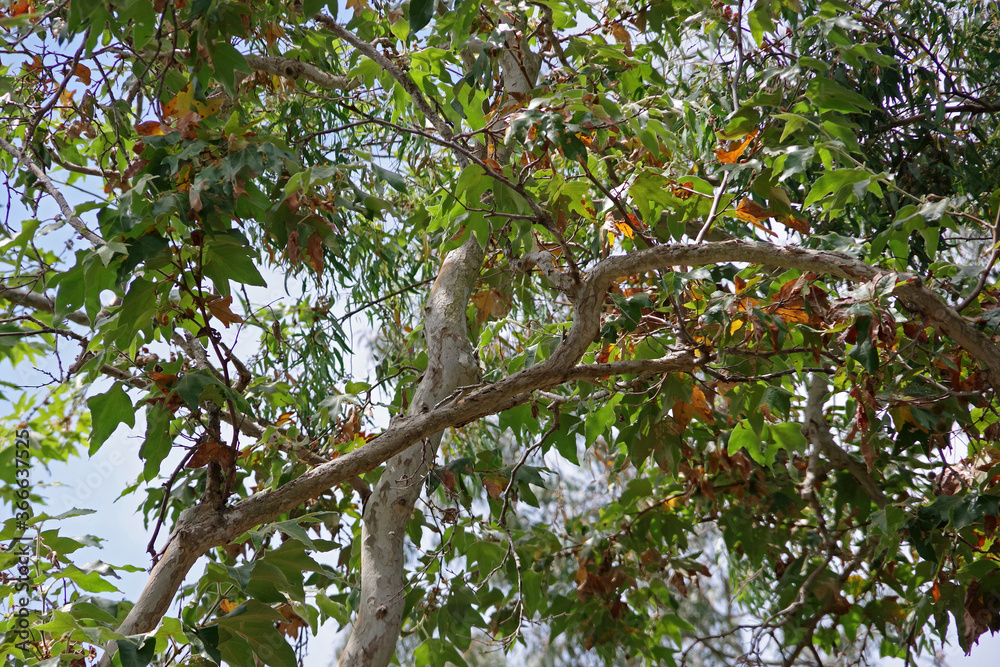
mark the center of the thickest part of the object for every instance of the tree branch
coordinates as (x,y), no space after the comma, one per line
(67,210)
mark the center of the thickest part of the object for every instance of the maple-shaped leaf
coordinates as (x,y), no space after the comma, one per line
(219,307)
(736,148)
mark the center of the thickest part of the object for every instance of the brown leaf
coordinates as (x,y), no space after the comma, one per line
(209,451)
(358,6)
(82,73)
(219,307)
(447,478)
(293,249)
(314,250)
(293,624)
(494,486)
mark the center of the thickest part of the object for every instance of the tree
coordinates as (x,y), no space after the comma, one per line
(550,212)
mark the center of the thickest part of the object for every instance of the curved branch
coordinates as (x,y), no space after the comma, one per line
(221,527)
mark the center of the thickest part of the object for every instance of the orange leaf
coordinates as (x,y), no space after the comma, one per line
(753,213)
(219,309)
(701,406)
(163,380)
(21,7)
(82,72)
(735,150)
(682,413)
(625,229)
(149,128)
(227,606)
(797,224)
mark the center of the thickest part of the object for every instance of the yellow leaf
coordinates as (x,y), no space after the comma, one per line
(209,108)
(735,326)
(624,228)
(180,104)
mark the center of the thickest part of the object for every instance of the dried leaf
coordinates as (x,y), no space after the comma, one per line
(314,251)
(796,224)
(293,249)
(227,606)
(622,36)
(494,487)
(82,73)
(211,451)
(219,307)
(732,155)
(149,128)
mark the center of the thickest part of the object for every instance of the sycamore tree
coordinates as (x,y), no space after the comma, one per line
(679,307)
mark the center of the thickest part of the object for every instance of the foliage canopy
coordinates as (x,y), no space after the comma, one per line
(685,316)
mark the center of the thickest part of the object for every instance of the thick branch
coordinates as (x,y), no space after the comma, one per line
(518,388)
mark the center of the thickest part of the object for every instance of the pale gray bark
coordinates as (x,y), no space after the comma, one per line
(451,364)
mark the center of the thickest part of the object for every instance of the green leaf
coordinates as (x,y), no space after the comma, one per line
(228,61)
(254,623)
(392,178)
(421,13)
(744,437)
(157,443)
(229,259)
(107,412)
(136,651)
(434,653)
